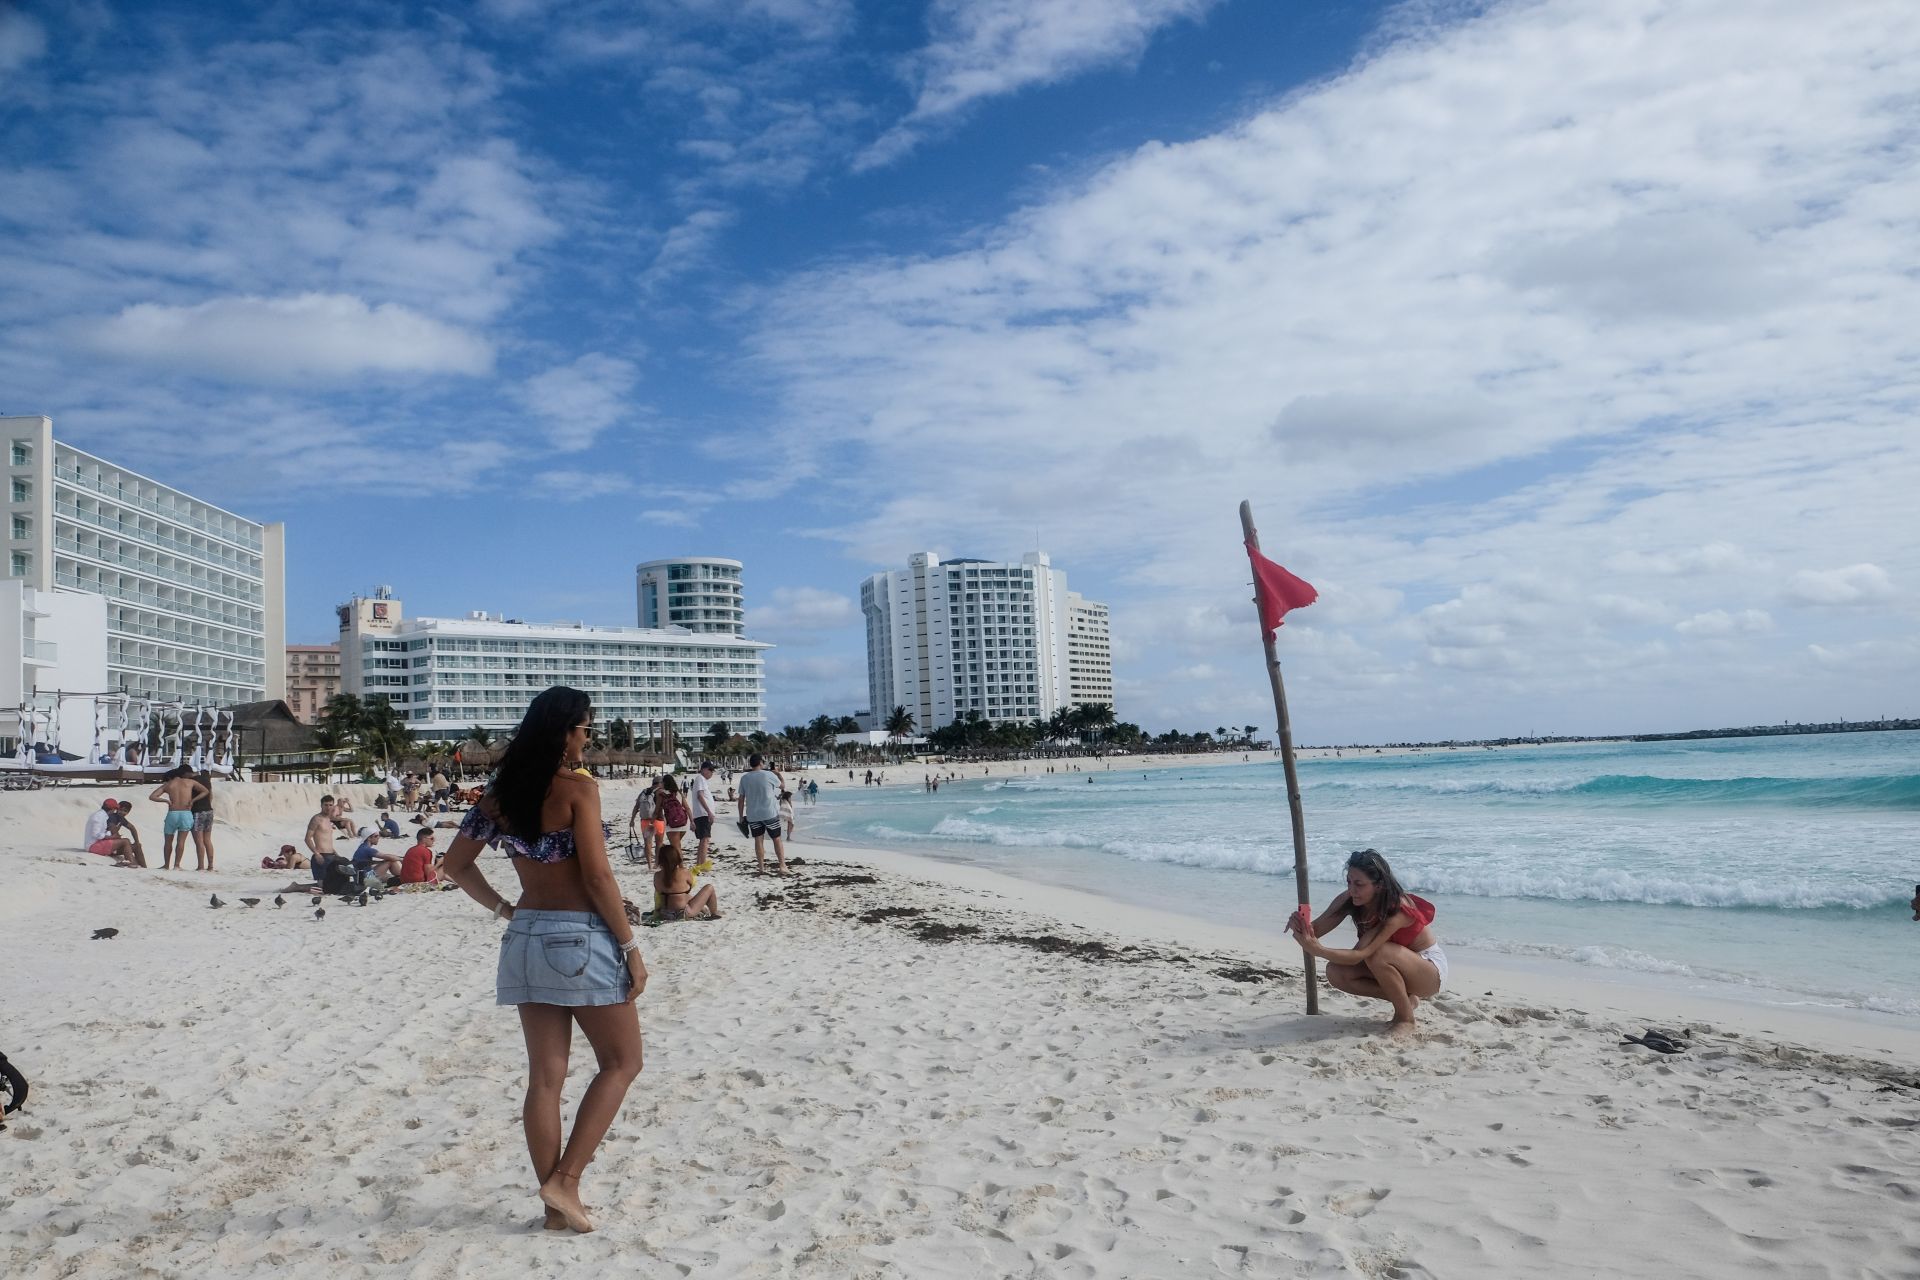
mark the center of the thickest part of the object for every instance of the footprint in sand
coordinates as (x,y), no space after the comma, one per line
(1357,1204)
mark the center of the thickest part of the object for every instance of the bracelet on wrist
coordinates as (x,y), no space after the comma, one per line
(503,910)
(630,945)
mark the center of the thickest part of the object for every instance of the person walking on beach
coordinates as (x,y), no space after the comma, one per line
(202,809)
(568,956)
(1396,957)
(759,806)
(700,805)
(642,818)
(179,792)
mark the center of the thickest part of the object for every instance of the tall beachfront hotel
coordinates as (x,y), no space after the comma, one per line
(446,675)
(704,594)
(194,596)
(1006,640)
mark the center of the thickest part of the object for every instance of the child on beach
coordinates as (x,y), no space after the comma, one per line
(1395,956)
(786,812)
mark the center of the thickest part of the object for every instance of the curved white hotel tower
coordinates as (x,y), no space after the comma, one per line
(701,593)
(1006,640)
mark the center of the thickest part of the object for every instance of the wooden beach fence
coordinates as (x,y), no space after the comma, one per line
(1274,592)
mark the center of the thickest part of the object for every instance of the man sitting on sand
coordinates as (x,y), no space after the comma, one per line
(417,867)
(124,852)
(368,858)
(179,791)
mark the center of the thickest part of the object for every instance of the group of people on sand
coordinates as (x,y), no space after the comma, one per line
(370,864)
(664,814)
(188,796)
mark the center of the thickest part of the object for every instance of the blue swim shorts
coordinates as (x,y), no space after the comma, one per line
(560,957)
(179,822)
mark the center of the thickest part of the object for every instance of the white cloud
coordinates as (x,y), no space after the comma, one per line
(581,399)
(1710,558)
(803,609)
(986,48)
(686,247)
(568,485)
(1718,623)
(1853,585)
(22,39)
(308,336)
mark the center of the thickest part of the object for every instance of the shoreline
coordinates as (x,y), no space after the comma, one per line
(1558,983)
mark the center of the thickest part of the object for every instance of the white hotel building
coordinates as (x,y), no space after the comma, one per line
(194,596)
(446,675)
(1006,640)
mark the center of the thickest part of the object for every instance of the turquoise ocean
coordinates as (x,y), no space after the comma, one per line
(1768,869)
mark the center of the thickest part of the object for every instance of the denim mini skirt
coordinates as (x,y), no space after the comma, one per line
(560,957)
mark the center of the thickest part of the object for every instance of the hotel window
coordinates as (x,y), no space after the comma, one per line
(22,490)
(22,564)
(22,528)
(22,453)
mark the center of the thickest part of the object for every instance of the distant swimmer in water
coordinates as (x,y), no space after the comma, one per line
(1915,904)
(1396,957)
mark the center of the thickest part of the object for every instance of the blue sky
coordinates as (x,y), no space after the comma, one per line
(1570,349)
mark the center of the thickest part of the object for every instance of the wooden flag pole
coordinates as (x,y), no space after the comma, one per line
(1286,759)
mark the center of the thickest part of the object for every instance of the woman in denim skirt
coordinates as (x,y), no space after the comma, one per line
(569,954)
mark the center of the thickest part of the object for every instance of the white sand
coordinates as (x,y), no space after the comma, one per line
(241,1092)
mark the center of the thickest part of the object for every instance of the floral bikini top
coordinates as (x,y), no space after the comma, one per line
(553,846)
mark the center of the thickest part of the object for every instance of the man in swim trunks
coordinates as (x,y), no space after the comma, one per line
(759,807)
(203,823)
(320,833)
(179,792)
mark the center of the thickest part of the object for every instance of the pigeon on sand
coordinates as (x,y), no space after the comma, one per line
(279,901)
(214,901)
(98,934)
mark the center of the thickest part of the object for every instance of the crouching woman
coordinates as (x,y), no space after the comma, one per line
(1395,958)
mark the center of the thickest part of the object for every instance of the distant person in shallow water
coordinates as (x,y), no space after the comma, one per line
(1915,904)
(1396,957)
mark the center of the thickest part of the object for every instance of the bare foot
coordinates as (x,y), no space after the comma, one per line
(1401,1028)
(556,1221)
(561,1193)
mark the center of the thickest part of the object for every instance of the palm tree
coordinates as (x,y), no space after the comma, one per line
(620,735)
(480,734)
(1093,717)
(717,734)
(899,724)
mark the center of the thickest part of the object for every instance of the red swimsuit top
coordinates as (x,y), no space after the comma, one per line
(1418,910)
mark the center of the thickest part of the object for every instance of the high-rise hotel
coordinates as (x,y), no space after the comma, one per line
(194,596)
(1006,640)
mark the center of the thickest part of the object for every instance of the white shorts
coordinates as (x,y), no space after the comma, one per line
(1438,958)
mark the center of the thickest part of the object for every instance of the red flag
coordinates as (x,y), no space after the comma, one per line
(1276,591)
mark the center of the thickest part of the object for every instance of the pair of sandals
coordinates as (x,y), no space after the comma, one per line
(1659,1041)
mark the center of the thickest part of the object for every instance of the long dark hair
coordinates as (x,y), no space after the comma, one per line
(670,858)
(539,746)
(1387,896)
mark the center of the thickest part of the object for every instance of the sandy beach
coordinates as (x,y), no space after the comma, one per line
(890,1067)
